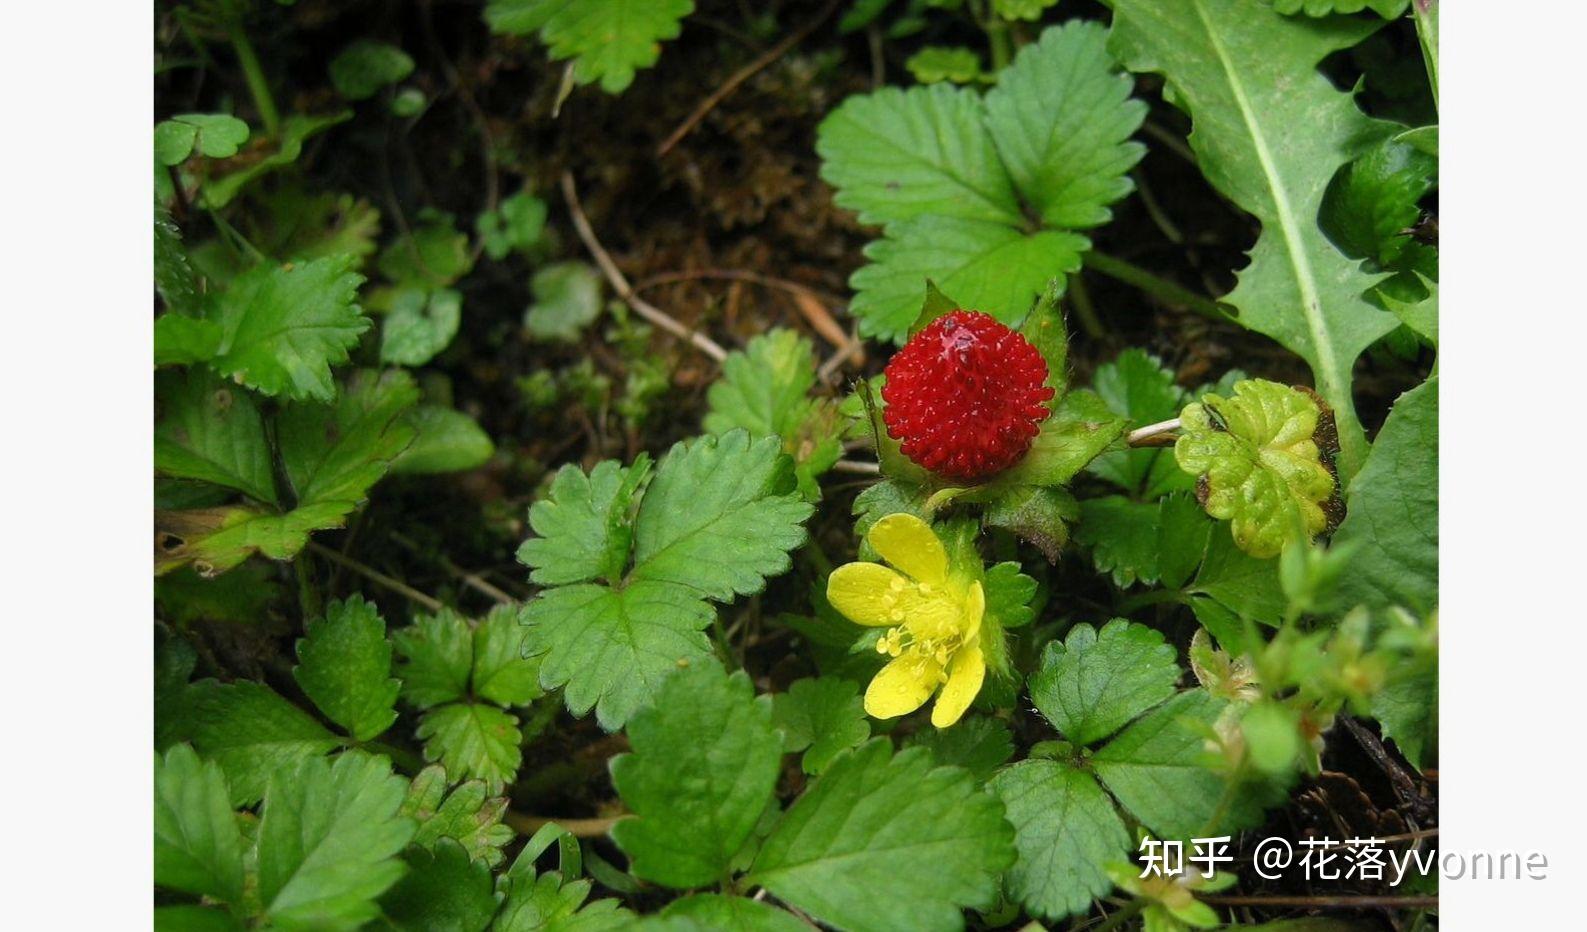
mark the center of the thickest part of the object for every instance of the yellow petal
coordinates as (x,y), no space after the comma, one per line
(966,671)
(974,610)
(902,686)
(861,592)
(908,543)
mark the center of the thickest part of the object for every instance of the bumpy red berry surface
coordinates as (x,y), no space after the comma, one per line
(965,396)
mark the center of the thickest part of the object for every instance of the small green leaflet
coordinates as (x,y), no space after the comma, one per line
(1066,829)
(419,325)
(296,129)
(1247,76)
(214,135)
(765,389)
(583,524)
(608,40)
(567,298)
(441,889)
(1093,682)
(197,844)
(444,441)
(936,63)
(704,766)
(210,429)
(538,904)
(431,256)
(821,717)
(345,666)
(467,815)
(251,732)
(473,740)
(366,66)
(518,224)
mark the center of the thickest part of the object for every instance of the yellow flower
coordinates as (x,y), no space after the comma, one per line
(933,620)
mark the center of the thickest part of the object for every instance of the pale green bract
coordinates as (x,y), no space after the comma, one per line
(1260,465)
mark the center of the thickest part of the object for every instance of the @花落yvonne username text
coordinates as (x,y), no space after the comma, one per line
(1324,859)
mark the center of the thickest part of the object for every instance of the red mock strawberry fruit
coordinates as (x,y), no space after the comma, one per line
(965,396)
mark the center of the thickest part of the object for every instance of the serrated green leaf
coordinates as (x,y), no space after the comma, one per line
(328,841)
(284,327)
(986,265)
(252,732)
(442,890)
(296,129)
(209,429)
(583,524)
(419,325)
(501,674)
(719,517)
(1260,467)
(333,453)
(938,63)
(836,852)
(444,441)
(1373,201)
(1137,386)
(1061,117)
(1246,585)
(1079,429)
(610,649)
(821,717)
(197,845)
(704,765)
(764,388)
(1121,536)
(1420,316)
(1408,710)
(214,135)
(1392,510)
(1066,831)
(567,298)
(436,658)
(432,256)
(473,740)
(546,904)
(1094,681)
(609,40)
(977,743)
(344,665)
(297,224)
(1155,769)
(366,66)
(180,341)
(213,540)
(1388,9)
(1248,76)
(716,912)
(1008,595)
(1182,532)
(467,815)
(896,155)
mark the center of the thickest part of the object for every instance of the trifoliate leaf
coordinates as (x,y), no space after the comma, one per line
(173,273)
(610,649)
(1008,595)
(328,841)
(334,452)
(501,674)
(720,516)
(704,765)
(419,325)
(1121,535)
(344,665)
(1155,768)
(251,732)
(467,815)
(284,327)
(1373,201)
(444,441)
(978,744)
(1137,386)
(1388,9)
(197,845)
(432,256)
(820,717)
(986,265)
(1240,582)
(1061,117)
(1393,509)
(366,66)
(896,155)
(296,129)
(214,135)
(210,429)
(608,39)
(1247,76)
(937,63)
(517,224)
(473,740)
(442,889)
(213,540)
(716,912)
(1066,830)
(1094,681)
(765,387)
(567,298)
(836,852)
(584,524)
(437,658)
(1259,464)
(546,904)
(1078,430)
